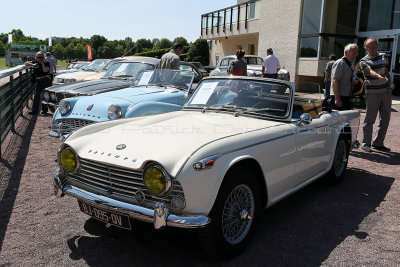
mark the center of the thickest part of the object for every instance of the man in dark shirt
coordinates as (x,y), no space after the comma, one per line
(41,70)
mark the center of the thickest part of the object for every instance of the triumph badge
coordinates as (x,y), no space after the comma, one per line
(121,146)
(89,108)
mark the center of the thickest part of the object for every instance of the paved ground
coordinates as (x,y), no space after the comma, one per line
(356,223)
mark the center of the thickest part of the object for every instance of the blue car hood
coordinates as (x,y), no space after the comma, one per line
(90,87)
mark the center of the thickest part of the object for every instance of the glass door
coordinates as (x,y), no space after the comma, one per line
(390,48)
(396,66)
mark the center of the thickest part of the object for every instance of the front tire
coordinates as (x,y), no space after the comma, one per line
(233,216)
(340,160)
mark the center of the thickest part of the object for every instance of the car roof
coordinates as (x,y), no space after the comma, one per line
(150,60)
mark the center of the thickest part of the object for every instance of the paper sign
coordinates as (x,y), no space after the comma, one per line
(204,93)
(144,80)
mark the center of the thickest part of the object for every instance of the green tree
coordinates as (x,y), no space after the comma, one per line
(163,43)
(81,51)
(2,49)
(141,44)
(119,51)
(97,41)
(181,40)
(69,52)
(199,51)
(57,50)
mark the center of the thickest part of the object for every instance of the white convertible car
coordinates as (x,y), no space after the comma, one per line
(239,145)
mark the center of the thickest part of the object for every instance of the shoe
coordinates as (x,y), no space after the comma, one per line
(382,148)
(43,113)
(32,113)
(366,147)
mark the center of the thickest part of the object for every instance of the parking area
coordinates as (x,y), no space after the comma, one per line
(354,223)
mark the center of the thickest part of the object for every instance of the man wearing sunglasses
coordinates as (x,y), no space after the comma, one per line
(42,80)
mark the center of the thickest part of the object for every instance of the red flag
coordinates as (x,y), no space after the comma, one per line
(89,52)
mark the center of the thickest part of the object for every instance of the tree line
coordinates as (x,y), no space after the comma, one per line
(76,48)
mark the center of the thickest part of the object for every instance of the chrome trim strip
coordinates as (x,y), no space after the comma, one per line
(133,211)
(50,104)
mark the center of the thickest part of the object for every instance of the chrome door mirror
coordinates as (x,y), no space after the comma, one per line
(305,118)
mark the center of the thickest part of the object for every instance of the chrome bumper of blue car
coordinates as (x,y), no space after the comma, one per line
(160,216)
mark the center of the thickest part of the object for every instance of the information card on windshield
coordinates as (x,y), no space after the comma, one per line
(146,76)
(204,93)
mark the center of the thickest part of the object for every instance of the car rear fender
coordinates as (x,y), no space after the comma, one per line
(151,108)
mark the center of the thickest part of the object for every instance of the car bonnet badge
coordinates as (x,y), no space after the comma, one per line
(121,146)
(90,107)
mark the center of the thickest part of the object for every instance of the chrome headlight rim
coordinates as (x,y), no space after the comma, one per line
(60,150)
(168,180)
(64,107)
(116,113)
(53,97)
(46,95)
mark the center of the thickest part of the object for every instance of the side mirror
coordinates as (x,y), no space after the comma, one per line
(305,118)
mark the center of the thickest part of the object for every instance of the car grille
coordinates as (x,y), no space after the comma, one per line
(118,183)
(70,125)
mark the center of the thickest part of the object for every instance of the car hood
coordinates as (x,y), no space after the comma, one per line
(75,74)
(169,139)
(90,87)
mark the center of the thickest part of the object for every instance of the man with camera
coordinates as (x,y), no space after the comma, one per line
(343,78)
(41,69)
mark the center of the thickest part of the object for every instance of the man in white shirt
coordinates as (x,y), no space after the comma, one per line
(271,65)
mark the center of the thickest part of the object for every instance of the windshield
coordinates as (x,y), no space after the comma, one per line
(96,65)
(264,98)
(254,60)
(126,70)
(165,78)
(80,65)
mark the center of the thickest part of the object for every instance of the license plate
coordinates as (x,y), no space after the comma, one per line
(105,216)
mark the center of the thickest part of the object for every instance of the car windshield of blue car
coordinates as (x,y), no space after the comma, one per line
(165,78)
(96,65)
(126,70)
(242,96)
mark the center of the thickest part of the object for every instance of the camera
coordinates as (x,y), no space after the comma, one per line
(356,79)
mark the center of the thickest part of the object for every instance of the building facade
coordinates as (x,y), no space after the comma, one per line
(303,33)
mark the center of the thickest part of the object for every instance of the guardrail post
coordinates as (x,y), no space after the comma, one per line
(12,104)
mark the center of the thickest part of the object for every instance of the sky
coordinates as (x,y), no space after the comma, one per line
(113,19)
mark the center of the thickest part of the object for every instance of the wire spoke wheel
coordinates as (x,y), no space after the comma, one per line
(238,214)
(340,158)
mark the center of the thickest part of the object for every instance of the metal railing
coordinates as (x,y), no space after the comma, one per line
(14,96)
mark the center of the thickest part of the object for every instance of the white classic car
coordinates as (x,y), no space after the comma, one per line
(239,145)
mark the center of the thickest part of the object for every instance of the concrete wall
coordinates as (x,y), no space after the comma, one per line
(280,22)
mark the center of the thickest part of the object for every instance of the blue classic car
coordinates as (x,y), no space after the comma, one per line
(153,92)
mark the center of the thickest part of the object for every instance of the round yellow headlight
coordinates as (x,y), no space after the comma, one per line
(68,160)
(155,180)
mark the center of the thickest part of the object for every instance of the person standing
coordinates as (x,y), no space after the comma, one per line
(328,71)
(41,70)
(53,65)
(171,59)
(238,67)
(378,96)
(271,65)
(342,74)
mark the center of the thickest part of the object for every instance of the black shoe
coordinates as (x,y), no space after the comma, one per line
(382,148)
(32,113)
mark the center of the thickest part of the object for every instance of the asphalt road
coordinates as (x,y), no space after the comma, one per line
(356,223)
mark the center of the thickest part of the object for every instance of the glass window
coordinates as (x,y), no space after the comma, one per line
(204,22)
(252,11)
(309,47)
(311,16)
(225,62)
(228,16)
(234,15)
(334,45)
(242,12)
(221,18)
(340,16)
(209,20)
(215,15)
(379,15)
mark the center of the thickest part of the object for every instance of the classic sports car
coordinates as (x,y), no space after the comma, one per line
(239,145)
(153,92)
(120,75)
(93,68)
(254,65)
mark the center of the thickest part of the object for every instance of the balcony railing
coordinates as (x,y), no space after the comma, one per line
(230,18)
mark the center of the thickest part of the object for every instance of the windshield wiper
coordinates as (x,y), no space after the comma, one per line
(228,107)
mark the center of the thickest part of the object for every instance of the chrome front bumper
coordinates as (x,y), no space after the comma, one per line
(50,104)
(160,216)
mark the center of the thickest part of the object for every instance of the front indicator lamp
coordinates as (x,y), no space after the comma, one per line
(69,160)
(156,180)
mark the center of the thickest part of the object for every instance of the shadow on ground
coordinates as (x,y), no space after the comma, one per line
(308,226)
(12,165)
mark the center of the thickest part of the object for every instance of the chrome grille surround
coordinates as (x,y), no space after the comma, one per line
(119,183)
(70,125)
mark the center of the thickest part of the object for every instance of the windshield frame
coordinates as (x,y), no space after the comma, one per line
(239,110)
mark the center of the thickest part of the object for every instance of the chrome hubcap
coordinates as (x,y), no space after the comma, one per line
(238,214)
